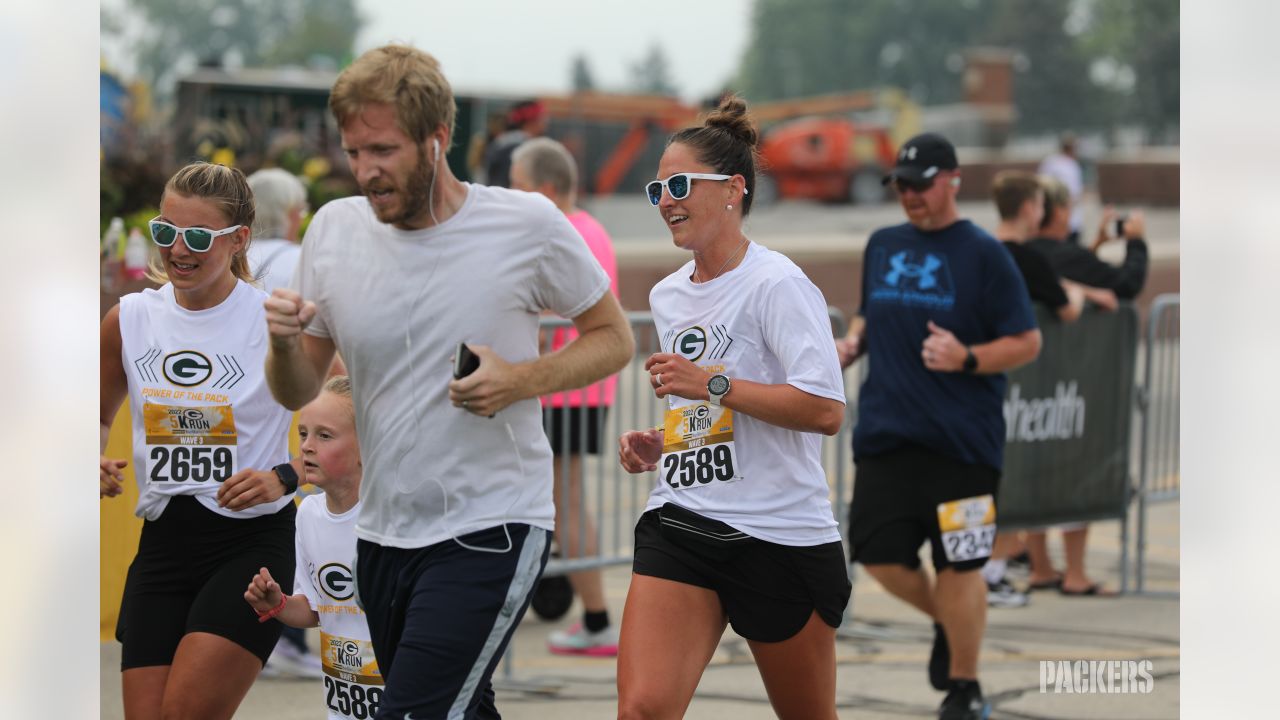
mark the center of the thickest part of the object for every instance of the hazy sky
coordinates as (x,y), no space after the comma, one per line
(527,46)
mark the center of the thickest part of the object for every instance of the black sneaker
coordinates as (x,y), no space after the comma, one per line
(940,660)
(964,702)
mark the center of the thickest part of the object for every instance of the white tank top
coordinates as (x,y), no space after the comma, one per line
(199,398)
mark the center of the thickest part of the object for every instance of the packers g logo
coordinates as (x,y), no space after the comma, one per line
(336,581)
(690,344)
(187,368)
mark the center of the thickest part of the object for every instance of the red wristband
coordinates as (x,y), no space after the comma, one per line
(265,616)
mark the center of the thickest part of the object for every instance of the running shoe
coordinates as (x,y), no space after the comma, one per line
(577,640)
(964,702)
(1003,595)
(287,661)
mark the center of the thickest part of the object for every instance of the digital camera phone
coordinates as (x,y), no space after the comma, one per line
(465,362)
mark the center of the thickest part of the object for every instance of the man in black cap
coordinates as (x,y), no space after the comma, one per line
(944,314)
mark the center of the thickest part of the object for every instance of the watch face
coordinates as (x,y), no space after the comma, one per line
(718,385)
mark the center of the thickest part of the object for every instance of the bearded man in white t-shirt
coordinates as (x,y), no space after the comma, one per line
(456,505)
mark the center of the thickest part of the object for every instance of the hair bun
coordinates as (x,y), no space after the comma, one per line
(732,116)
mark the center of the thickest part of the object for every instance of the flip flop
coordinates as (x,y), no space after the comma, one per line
(1054,584)
(1094,590)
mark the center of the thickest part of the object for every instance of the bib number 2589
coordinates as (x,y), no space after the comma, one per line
(698,466)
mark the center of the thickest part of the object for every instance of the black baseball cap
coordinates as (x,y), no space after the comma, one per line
(922,157)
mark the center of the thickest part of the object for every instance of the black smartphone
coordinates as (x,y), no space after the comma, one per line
(465,362)
(1120,221)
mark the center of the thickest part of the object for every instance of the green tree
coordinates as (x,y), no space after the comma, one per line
(652,73)
(581,78)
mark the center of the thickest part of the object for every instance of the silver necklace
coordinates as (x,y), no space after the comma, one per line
(722,266)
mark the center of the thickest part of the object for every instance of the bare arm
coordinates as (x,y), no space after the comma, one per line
(1102,297)
(851,346)
(603,346)
(113,387)
(297,363)
(1070,312)
(942,352)
(264,595)
(783,405)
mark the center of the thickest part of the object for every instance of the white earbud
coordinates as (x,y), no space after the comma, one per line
(955,182)
(436,144)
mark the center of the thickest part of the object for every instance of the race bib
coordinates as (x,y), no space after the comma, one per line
(968,527)
(189,444)
(352,682)
(698,446)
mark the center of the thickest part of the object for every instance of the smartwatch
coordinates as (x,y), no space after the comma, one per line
(288,476)
(970,361)
(717,387)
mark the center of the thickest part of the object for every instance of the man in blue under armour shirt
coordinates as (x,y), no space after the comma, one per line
(944,314)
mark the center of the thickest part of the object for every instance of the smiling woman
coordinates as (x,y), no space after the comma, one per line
(210,454)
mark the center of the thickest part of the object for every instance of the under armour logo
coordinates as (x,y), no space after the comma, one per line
(908,153)
(924,273)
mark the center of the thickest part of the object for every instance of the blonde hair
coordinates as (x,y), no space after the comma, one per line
(1056,195)
(229,191)
(403,77)
(340,385)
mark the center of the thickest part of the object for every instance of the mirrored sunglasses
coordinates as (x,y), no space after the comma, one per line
(679,185)
(197,239)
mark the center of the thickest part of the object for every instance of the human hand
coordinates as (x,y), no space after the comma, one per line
(110,476)
(263,593)
(941,351)
(250,487)
(1102,297)
(1135,226)
(671,374)
(491,388)
(848,348)
(287,315)
(640,450)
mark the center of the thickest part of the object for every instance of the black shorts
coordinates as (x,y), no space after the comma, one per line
(895,509)
(568,434)
(441,616)
(767,590)
(190,574)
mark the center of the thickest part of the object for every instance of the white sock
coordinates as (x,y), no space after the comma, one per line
(993,571)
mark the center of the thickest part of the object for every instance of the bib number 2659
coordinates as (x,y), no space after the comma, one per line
(196,464)
(698,466)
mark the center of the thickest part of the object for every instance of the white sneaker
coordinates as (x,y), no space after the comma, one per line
(288,661)
(577,640)
(1004,595)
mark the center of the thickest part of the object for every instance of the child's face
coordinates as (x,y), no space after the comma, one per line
(329,447)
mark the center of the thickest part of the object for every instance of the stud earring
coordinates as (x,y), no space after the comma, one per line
(728,207)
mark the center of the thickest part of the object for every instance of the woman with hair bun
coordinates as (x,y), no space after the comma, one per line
(739,528)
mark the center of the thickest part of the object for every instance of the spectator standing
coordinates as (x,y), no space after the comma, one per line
(525,120)
(574,420)
(1065,167)
(944,314)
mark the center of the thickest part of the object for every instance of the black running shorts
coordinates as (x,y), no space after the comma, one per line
(569,435)
(900,499)
(767,590)
(190,574)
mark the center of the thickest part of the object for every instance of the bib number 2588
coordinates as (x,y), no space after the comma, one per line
(698,466)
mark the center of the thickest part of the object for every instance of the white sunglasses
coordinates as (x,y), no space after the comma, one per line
(679,185)
(197,239)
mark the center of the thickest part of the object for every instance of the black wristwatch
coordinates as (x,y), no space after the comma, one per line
(970,361)
(288,476)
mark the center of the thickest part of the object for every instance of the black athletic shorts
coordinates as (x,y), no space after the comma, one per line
(900,498)
(767,590)
(190,574)
(567,432)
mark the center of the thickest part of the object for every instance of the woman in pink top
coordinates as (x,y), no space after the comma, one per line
(574,419)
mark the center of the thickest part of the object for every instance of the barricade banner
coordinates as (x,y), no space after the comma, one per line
(1067,422)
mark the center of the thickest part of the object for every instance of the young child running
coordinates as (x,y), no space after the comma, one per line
(326,546)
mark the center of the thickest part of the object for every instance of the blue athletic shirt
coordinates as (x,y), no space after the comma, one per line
(963,280)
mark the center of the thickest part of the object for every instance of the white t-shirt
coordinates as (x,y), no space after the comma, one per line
(396,303)
(273,261)
(198,397)
(326,549)
(764,321)
(1067,170)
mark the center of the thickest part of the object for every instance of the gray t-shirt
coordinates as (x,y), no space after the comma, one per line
(396,303)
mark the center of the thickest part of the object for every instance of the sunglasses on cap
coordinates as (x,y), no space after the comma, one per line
(197,239)
(679,185)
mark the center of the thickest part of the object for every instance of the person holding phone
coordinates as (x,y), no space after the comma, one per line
(738,529)
(210,452)
(456,509)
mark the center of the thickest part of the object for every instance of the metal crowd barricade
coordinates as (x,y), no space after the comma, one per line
(1159,469)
